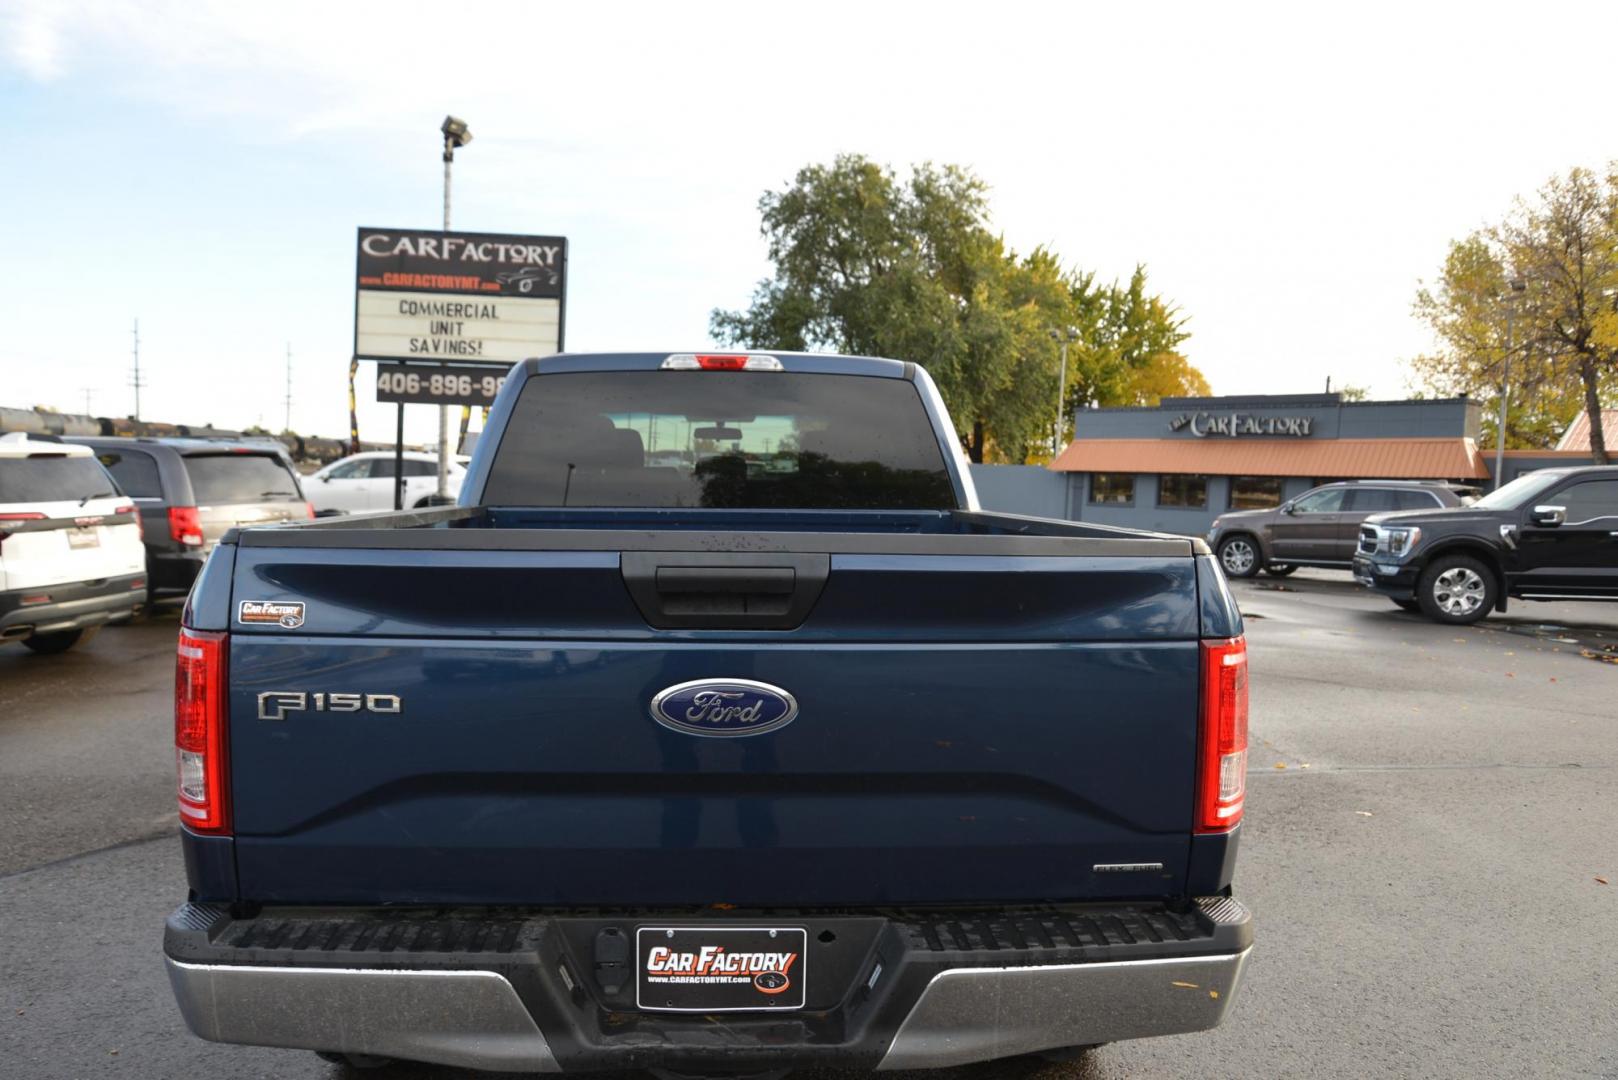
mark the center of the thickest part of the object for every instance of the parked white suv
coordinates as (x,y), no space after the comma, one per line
(364,482)
(71,555)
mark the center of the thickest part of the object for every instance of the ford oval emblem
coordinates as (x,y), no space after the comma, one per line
(724,708)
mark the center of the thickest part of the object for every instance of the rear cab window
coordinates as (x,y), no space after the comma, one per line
(225,479)
(789,440)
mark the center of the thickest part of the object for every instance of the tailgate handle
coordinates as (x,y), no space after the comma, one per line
(724,590)
(771,580)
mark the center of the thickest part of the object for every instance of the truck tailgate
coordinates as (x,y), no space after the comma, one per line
(969,729)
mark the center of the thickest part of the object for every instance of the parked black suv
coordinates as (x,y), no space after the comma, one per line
(190,492)
(1320,527)
(1548,535)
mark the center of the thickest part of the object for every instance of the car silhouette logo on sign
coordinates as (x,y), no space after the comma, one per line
(724,708)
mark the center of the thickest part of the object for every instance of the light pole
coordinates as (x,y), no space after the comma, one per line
(1071,334)
(1517,285)
(456,134)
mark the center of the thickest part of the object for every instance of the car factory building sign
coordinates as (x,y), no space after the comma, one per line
(1203,424)
(458,297)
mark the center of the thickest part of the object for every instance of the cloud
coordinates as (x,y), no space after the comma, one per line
(31,38)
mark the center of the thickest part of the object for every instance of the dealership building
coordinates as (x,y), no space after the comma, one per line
(1176,466)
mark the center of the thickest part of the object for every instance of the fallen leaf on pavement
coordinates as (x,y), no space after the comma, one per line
(1601,881)
(1280,764)
(1364,813)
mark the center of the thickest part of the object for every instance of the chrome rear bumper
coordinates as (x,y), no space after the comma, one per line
(529,992)
(978,1014)
(472,1019)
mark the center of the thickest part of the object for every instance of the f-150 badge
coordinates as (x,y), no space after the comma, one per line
(277,704)
(724,708)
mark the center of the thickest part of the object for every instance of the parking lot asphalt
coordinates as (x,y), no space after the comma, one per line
(1430,823)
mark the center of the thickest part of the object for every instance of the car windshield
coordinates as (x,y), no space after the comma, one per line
(220,479)
(53,478)
(1519,491)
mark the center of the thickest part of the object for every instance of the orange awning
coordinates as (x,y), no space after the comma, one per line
(1381,459)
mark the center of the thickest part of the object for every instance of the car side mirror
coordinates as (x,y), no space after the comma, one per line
(325,479)
(1548,517)
(1286,508)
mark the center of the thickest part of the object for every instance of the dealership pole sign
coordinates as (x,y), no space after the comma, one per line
(458,298)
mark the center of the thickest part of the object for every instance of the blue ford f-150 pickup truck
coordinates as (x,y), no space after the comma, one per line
(718,732)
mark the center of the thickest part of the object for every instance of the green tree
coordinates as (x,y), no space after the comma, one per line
(1548,274)
(869,263)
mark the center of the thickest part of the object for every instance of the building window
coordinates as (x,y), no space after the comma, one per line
(1254,492)
(1179,489)
(1112,488)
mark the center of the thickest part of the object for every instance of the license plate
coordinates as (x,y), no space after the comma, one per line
(82,538)
(732,969)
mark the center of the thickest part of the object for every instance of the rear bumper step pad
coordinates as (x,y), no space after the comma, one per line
(522,991)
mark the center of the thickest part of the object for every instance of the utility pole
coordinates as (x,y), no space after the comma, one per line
(1517,285)
(287,427)
(88,392)
(134,379)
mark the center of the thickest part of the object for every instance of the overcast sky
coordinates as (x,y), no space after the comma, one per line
(1287,173)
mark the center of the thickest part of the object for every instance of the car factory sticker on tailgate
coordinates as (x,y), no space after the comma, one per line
(287,614)
(701,969)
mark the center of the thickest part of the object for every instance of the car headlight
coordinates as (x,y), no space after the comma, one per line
(1403,541)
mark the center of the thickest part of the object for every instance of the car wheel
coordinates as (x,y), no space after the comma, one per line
(1280,570)
(1457,590)
(1239,556)
(1409,605)
(60,641)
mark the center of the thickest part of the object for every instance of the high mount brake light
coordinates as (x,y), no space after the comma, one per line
(199,730)
(185,525)
(1222,736)
(721,362)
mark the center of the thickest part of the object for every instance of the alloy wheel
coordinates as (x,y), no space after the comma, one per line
(1238,557)
(1460,590)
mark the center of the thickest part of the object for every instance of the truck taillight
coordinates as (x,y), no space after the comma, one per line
(185,526)
(199,730)
(1222,735)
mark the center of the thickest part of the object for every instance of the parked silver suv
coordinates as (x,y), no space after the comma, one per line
(1320,527)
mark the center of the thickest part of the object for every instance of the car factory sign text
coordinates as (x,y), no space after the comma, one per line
(458,297)
(1203,424)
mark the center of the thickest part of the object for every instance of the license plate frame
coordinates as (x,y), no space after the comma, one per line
(82,539)
(677,981)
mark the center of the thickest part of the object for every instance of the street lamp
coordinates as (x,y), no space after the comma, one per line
(1070,334)
(456,134)
(1517,286)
